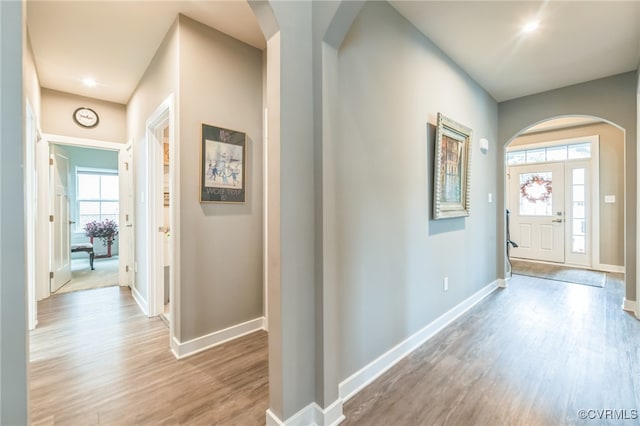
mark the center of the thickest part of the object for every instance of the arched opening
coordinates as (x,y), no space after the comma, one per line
(565,200)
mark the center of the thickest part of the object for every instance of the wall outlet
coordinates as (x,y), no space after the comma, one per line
(445,283)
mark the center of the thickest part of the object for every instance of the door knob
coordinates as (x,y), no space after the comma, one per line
(557,220)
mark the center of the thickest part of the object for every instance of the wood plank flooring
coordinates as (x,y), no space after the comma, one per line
(533,354)
(97,360)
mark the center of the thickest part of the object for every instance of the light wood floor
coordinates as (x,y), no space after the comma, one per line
(533,354)
(96,359)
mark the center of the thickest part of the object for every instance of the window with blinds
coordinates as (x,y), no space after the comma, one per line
(98,194)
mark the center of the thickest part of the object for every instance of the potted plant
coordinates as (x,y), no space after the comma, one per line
(105,230)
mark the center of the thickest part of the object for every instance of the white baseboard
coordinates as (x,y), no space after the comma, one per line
(311,415)
(304,417)
(330,416)
(503,282)
(629,305)
(610,268)
(602,267)
(140,301)
(272,419)
(202,343)
(352,385)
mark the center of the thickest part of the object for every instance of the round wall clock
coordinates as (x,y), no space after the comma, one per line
(86,117)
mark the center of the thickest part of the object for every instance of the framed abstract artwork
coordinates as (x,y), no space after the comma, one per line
(222,176)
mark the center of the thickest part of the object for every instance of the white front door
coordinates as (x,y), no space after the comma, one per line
(61,233)
(536,204)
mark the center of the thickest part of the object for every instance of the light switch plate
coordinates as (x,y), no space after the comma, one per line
(609,199)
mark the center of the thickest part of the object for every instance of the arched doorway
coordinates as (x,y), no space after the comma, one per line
(565,199)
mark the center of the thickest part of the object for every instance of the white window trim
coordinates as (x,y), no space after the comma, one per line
(558,142)
(90,171)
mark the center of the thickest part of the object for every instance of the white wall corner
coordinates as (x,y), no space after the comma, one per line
(272,419)
(503,282)
(367,374)
(304,417)
(311,415)
(629,305)
(140,301)
(202,343)
(175,345)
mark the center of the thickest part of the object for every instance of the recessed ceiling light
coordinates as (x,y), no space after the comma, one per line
(89,82)
(530,27)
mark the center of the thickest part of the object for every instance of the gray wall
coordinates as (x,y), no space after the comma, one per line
(221,244)
(611,182)
(392,255)
(13,292)
(57,117)
(31,82)
(158,82)
(92,158)
(613,99)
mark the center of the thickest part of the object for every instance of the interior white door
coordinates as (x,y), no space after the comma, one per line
(127,238)
(61,232)
(536,203)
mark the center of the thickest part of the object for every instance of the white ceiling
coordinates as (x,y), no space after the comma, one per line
(577,41)
(114,41)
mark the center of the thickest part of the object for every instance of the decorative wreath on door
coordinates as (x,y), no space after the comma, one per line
(536,188)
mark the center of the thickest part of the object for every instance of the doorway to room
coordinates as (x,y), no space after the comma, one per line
(166,293)
(161,212)
(77,184)
(565,201)
(85,189)
(551,192)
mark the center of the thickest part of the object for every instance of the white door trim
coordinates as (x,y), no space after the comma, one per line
(265,220)
(61,246)
(31,207)
(126,183)
(594,241)
(44,213)
(587,259)
(162,117)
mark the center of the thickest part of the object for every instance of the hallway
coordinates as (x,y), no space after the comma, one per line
(535,353)
(96,359)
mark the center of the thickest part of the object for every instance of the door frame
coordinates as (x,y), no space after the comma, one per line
(594,194)
(44,239)
(32,228)
(127,215)
(162,117)
(58,226)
